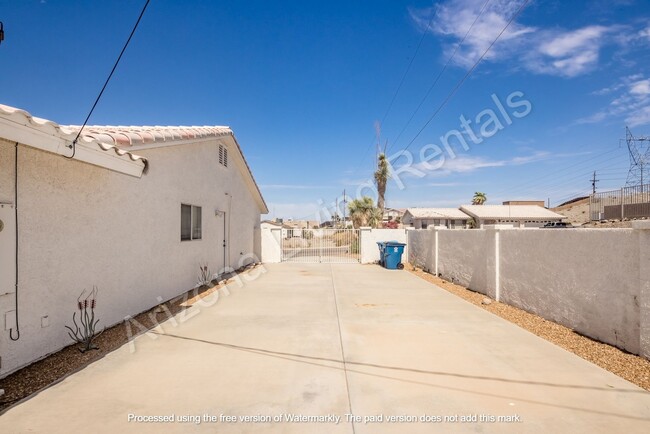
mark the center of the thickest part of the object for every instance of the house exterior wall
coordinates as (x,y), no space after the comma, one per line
(594,281)
(516,224)
(82,225)
(430,222)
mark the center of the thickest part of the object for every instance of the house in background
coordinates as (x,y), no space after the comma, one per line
(132,210)
(525,202)
(295,227)
(516,216)
(424,218)
(277,224)
(393,214)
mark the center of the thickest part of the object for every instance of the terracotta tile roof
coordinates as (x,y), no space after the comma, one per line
(141,137)
(117,140)
(125,136)
(67,134)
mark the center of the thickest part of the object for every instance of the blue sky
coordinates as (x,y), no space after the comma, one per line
(303,83)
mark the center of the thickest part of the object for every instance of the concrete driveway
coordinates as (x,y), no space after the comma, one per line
(304,345)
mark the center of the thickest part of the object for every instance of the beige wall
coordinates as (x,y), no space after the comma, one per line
(81,225)
(271,243)
(594,281)
(370,237)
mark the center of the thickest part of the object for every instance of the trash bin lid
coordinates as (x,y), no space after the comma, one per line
(394,244)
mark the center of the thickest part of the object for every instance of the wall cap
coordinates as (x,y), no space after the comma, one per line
(641,224)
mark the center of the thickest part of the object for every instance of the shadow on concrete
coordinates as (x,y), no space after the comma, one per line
(312,360)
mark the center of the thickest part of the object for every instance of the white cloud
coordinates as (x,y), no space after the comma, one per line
(631,102)
(566,53)
(641,87)
(453,19)
(466,163)
(639,117)
(569,53)
(443,184)
(645,33)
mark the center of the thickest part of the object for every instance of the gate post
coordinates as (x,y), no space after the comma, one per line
(364,235)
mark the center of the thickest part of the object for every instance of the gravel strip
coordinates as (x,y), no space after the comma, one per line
(633,368)
(56,366)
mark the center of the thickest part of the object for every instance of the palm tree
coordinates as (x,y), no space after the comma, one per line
(375,217)
(479,198)
(381,178)
(363,212)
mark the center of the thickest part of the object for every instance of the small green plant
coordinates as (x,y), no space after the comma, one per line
(84,333)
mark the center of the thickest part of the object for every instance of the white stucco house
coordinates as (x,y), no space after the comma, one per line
(132,210)
(391,214)
(516,216)
(424,218)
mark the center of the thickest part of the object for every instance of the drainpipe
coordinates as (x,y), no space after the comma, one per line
(227,235)
(11,331)
(224,241)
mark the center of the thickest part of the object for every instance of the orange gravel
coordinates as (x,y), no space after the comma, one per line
(633,368)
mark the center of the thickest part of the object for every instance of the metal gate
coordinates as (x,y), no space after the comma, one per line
(321,245)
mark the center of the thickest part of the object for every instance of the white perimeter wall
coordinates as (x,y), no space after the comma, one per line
(595,281)
(81,225)
(272,248)
(370,238)
(271,244)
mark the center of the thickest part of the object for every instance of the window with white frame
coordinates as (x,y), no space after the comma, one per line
(223,155)
(190,222)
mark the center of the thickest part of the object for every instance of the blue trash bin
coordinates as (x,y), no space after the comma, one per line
(382,250)
(391,256)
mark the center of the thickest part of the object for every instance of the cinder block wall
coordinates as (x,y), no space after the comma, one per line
(595,281)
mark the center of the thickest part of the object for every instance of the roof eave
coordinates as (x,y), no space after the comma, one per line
(15,130)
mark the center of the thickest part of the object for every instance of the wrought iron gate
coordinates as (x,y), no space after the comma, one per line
(321,245)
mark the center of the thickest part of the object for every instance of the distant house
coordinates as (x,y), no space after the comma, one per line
(423,218)
(525,202)
(295,227)
(518,216)
(393,214)
(133,210)
(269,224)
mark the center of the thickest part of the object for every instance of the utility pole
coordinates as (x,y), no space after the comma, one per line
(593,183)
(336,214)
(345,225)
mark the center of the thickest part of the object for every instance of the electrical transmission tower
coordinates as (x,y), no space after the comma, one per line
(639,148)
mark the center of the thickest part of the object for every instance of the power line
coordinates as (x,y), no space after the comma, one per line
(469,72)
(444,68)
(399,86)
(565,169)
(408,68)
(73,146)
